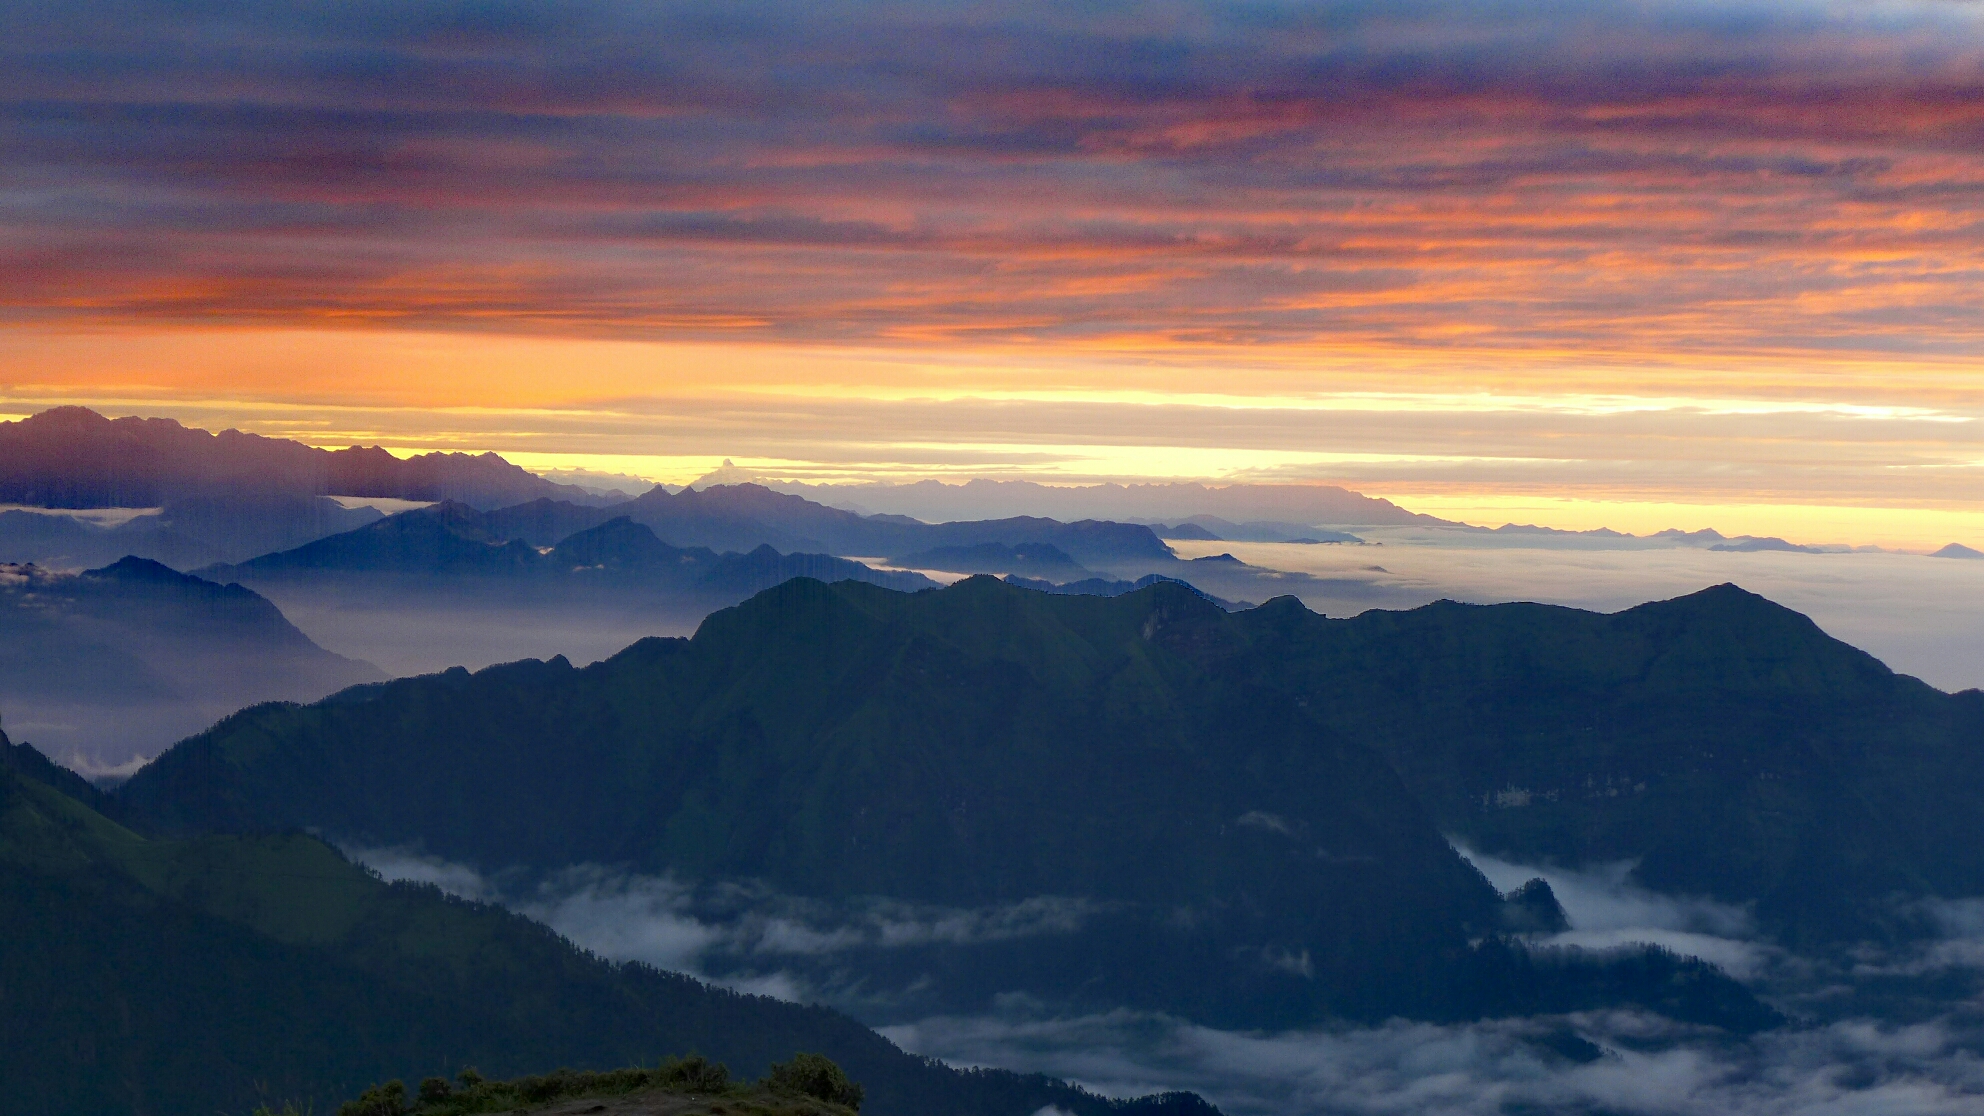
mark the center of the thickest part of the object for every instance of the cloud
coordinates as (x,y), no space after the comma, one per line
(1650,199)
(414,867)
(1430,176)
(1837,1065)
(1647,1066)
(739,933)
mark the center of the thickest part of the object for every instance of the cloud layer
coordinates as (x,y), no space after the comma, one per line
(1838,1058)
(1559,179)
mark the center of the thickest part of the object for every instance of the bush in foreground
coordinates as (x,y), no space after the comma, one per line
(813,1076)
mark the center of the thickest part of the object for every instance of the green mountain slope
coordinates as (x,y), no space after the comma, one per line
(211,974)
(1216,851)
(1722,741)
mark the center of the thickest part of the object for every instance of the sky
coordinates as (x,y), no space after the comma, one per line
(1600,263)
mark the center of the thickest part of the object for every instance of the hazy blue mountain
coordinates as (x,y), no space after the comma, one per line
(124,660)
(739,515)
(936,501)
(210,975)
(465,550)
(449,585)
(1212,527)
(72,457)
(1035,560)
(1184,838)
(544,522)
(448,539)
(1750,545)
(743,516)
(185,534)
(1191,532)
(51,541)
(1957,550)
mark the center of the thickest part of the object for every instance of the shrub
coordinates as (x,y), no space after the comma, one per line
(695,1074)
(816,1076)
(435,1090)
(380,1100)
(547,1087)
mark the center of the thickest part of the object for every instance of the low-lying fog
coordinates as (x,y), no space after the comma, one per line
(1921,616)
(404,638)
(1832,1060)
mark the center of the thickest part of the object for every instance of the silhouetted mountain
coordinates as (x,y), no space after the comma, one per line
(447,539)
(1100,776)
(464,548)
(124,660)
(1038,560)
(545,522)
(744,516)
(448,585)
(218,973)
(936,501)
(1214,528)
(1103,587)
(187,533)
(1750,544)
(72,457)
(1957,550)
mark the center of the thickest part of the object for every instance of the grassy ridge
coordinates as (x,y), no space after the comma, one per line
(1241,862)
(213,974)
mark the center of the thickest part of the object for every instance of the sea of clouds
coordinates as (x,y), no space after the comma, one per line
(1825,1063)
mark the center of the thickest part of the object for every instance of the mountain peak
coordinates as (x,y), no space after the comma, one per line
(71,418)
(135,569)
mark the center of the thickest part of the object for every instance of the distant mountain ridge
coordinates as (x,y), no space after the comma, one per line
(464,546)
(186,533)
(1169,502)
(128,658)
(73,457)
(743,516)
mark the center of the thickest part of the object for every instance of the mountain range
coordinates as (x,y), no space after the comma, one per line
(230,497)
(184,534)
(446,585)
(124,660)
(930,500)
(1106,777)
(214,974)
(73,457)
(460,545)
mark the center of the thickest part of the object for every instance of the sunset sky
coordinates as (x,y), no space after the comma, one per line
(1638,265)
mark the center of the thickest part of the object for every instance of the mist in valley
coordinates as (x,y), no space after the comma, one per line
(1921,1052)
